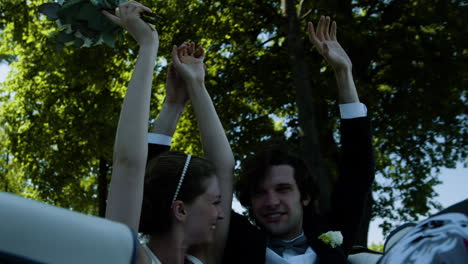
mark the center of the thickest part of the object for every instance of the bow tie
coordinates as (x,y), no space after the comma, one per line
(298,245)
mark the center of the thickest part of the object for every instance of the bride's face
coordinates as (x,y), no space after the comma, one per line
(204,214)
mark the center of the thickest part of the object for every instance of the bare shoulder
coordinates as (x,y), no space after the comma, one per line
(142,257)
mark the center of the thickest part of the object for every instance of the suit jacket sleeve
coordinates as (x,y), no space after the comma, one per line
(349,197)
(245,243)
(155,150)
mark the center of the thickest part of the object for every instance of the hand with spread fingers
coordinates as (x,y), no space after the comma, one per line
(129,17)
(324,40)
(188,61)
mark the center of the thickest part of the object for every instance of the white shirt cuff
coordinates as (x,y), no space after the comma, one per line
(353,110)
(159,139)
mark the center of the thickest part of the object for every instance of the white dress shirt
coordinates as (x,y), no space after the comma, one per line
(290,256)
(307,258)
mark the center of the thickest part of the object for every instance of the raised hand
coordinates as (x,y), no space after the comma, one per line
(188,61)
(324,40)
(130,148)
(129,18)
(176,88)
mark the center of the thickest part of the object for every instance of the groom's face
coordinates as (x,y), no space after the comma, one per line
(277,205)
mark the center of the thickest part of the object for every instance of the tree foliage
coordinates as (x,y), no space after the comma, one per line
(377,247)
(59,110)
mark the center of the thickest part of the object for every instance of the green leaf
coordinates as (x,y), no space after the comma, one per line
(78,43)
(95,2)
(8,58)
(85,30)
(63,37)
(88,12)
(50,10)
(71,3)
(108,5)
(108,38)
(100,23)
(68,15)
(114,3)
(59,46)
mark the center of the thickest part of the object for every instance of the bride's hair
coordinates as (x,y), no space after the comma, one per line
(163,174)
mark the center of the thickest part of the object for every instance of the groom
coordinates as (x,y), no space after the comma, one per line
(280,194)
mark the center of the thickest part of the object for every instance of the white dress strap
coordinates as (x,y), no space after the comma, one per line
(154,259)
(193,259)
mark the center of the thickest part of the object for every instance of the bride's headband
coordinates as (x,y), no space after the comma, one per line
(187,162)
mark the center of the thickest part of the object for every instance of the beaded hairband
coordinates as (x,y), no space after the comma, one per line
(187,162)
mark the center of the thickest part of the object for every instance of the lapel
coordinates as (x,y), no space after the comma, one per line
(314,226)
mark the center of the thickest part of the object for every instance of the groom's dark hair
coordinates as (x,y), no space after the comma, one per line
(254,169)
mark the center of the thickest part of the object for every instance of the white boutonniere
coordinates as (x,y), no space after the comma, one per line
(332,238)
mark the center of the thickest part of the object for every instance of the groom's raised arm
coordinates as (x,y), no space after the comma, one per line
(356,161)
(326,43)
(159,139)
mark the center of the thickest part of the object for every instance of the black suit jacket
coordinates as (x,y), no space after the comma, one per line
(247,244)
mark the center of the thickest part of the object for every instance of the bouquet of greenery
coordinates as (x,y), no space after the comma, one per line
(82,24)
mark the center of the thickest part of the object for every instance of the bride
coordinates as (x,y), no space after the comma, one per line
(179,199)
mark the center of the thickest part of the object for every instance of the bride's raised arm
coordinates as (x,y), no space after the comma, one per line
(216,148)
(130,149)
